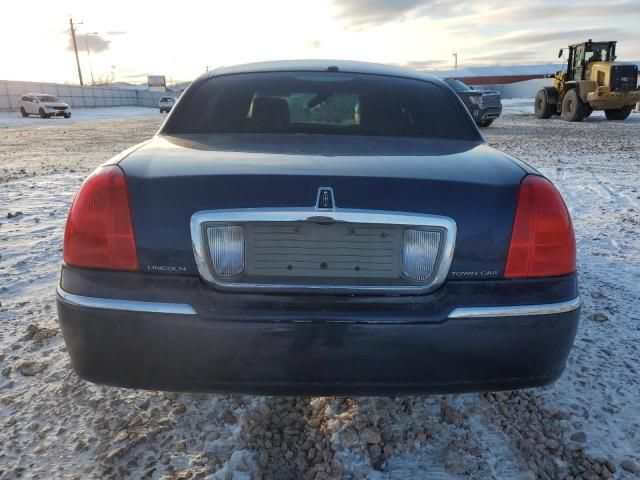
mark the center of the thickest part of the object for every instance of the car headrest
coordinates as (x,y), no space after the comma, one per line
(379,114)
(270,112)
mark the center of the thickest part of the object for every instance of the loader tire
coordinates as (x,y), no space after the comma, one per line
(542,108)
(573,109)
(618,113)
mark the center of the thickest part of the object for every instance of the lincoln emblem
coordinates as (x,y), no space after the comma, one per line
(325,199)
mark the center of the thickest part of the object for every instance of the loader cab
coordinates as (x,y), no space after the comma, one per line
(580,54)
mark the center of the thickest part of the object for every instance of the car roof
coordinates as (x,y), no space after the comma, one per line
(348,66)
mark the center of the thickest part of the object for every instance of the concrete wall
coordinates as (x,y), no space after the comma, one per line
(77,96)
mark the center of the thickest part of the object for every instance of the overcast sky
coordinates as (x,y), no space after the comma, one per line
(181,38)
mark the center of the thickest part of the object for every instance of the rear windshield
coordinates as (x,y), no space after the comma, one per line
(322,103)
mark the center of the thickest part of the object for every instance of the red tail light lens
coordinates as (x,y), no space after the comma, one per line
(542,241)
(99,233)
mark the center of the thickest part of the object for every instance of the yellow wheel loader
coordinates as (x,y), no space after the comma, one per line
(592,81)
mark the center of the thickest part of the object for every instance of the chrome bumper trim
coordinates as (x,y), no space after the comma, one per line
(127,305)
(185,309)
(516,311)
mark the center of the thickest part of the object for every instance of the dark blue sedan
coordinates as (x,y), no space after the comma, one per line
(318,227)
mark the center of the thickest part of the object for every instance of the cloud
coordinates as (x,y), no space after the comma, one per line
(315,44)
(425,64)
(95,43)
(493,58)
(366,13)
(512,57)
(134,76)
(131,75)
(549,11)
(561,37)
(362,14)
(539,46)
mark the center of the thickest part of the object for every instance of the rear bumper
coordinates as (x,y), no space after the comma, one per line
(170,345)
(606,100)
(58,113)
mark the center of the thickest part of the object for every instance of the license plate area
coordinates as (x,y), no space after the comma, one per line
(317,251)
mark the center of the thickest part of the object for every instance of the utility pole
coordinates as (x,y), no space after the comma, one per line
(455,56)
(75,46)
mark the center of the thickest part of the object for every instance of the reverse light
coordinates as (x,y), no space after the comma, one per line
(99,232)
(226,244)
(542,241)
(419,253)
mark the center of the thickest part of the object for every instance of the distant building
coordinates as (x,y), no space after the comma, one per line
(157,83)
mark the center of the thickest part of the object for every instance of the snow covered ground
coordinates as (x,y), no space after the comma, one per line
(586,425)
(36,146)
(15,120)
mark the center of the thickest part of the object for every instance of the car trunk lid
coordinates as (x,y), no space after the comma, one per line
(173,177)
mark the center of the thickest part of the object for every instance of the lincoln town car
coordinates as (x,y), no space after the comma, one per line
(318,227)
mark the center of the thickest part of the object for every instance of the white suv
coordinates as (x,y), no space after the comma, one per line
(166,104)
(44,105)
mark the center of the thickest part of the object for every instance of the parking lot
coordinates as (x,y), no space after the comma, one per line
(586,425)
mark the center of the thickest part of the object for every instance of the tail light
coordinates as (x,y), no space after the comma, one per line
(99,233)
(542,240)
